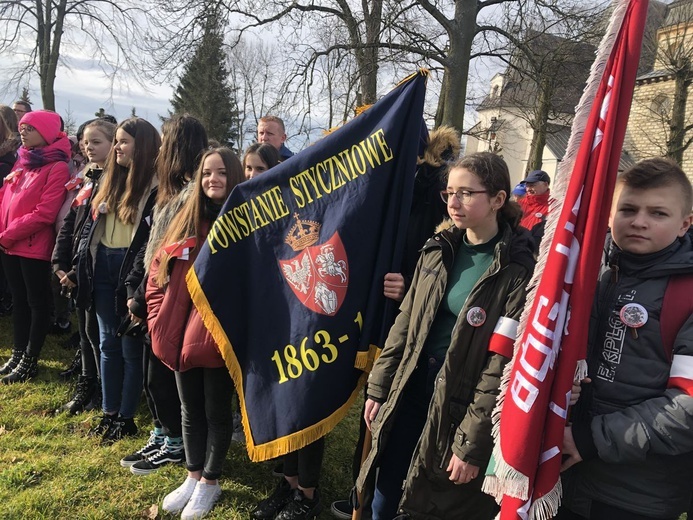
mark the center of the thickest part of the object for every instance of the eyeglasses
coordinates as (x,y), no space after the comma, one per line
(26,128)
(464,196)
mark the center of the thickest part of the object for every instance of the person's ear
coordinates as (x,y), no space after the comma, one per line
(685,224)
(499,200)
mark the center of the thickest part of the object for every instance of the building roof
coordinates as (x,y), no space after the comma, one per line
(557,137)
(565,62)
(680,11)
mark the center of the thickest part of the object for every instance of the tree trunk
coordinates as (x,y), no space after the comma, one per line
(454,89)
(676,138)
(441,101)
(541,119)
(369,67)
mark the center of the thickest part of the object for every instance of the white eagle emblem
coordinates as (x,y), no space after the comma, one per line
(299,276)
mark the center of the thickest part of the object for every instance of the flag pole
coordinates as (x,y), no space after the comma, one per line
(367,442)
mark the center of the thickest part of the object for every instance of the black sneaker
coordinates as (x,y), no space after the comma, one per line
(300,507)
(120,427)
(103,426)
(60,329)
(170,453)
(154,444)
(342,509)
(269,507)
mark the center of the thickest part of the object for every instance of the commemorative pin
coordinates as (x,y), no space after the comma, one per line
(476,316)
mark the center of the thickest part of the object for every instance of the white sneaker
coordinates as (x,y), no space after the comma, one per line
(202,501)
(176,500)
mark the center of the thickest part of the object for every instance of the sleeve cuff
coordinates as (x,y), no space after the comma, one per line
(584,442)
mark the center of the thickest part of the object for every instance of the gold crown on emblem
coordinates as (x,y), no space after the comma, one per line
(303,233)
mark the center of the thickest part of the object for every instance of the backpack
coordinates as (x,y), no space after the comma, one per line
(677,307)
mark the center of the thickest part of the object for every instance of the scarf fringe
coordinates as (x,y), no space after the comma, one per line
(546,507)
(581,371)
(505,480)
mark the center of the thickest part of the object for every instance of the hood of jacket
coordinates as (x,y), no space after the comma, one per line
(520,241)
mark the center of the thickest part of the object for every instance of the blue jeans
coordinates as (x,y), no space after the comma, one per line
(398,451)
(121,358)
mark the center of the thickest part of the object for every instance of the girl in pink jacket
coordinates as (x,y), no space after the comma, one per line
(30,199)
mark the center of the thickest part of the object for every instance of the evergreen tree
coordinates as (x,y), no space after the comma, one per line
(25,95)
(203,91)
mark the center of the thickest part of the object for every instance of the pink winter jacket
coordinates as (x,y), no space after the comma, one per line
(29,204)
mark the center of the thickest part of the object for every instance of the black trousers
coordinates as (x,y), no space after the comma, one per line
(306,464)
(30,283)
(62,306)
(205,396)
(88,327)
(161,392)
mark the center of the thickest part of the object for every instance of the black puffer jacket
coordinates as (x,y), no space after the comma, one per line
(67,243)
(632,427)
(131,276)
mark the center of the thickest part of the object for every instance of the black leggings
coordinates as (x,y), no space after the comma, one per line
(30,283)
(89,342)
(306,463)
(161,393)
(205,396)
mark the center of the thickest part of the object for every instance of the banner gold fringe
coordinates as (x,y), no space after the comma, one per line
(283,445)
(365,359)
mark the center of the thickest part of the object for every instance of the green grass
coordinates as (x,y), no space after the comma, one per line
(50,469)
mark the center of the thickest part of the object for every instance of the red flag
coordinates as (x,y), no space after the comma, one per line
(534,400)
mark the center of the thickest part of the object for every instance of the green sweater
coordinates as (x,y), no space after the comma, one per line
(471,262)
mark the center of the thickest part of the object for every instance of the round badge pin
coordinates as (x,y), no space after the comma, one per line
(634,315)
(476,316)
(538,215)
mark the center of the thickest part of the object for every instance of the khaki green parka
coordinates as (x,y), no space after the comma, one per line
(459,418)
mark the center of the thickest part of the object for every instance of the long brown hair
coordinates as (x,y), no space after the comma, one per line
(189,220)
(492,172)
(5,132)
(123,187)
(184,139)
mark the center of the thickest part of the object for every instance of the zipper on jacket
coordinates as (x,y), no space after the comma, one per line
(614,273)
(448,444)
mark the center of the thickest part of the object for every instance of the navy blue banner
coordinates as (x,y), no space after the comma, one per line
(290,280)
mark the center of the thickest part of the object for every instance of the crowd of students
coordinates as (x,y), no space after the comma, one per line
(115,235)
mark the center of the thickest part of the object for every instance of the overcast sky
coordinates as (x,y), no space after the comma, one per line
(82,91)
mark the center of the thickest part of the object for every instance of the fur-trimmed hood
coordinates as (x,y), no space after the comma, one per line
(443,146)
